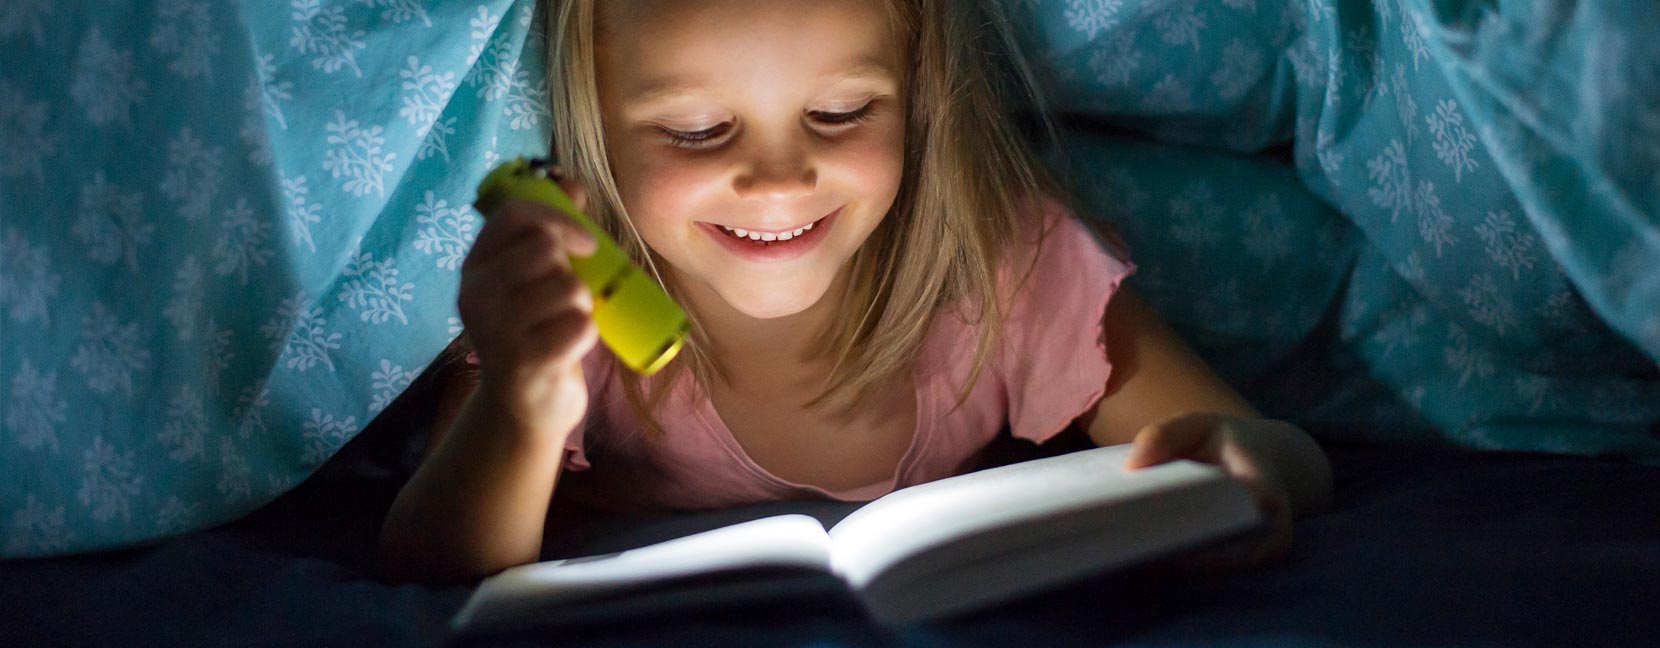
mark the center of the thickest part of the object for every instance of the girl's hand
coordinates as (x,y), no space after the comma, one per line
(529,317)
(1228,442)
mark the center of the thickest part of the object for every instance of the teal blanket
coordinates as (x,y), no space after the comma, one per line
(231,234)
(1394,220)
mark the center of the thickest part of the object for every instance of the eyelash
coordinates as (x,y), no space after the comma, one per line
(695,139)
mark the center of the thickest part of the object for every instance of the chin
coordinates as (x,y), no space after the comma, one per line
(773,304)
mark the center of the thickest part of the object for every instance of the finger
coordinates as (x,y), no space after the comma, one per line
(1163,442)
(575,191)
(518,213)
(1274,543)
(1242,466)
(509,313)
(575,235)
(1257,548)
(579,197)
(535,255)
(1279,546)
(539,252)
(1274,505)
(1267,501)
(492,289)
(498,234)
(490,240)
(559,288)
(551,299)
(501,295)
(562,340)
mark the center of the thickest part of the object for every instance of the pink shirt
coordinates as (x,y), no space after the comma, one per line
(1047,369)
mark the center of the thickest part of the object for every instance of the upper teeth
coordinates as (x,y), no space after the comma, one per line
(758,236)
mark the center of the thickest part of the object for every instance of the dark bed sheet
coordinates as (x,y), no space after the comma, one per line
(1424,547)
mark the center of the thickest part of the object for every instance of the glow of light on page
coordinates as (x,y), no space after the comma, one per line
(924,517)
(786,540)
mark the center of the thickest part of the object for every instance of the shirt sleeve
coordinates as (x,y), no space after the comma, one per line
(577,460)
(1054,363)
(596,372)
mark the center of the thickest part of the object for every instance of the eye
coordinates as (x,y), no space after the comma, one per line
(695,139)
(838,119)
(703,138)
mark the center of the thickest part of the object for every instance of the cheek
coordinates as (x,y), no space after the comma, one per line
(874,162)
(663,191)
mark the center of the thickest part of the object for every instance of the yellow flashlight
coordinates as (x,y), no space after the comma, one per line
(636,318)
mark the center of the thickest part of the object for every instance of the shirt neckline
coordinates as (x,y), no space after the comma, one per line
(712,424)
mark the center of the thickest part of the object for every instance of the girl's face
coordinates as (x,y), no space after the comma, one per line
(764,115)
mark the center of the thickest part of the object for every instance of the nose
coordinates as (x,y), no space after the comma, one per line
(780,170)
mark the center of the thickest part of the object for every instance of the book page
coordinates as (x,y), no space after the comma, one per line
(917,518)
(1006,562)
(783,541)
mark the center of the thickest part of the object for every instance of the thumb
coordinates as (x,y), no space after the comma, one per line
(580,241)
(572,188)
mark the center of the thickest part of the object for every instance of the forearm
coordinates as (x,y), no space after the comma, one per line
(477,504)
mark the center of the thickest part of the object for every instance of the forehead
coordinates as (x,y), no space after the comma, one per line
(652,49)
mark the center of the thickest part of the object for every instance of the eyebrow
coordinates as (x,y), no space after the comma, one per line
(664,89)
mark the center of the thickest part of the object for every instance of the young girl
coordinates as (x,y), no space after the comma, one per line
(880,276)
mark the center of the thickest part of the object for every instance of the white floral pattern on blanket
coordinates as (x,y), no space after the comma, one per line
(230,234)
(1478,205)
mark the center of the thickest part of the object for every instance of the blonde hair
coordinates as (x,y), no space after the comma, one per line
(969,181)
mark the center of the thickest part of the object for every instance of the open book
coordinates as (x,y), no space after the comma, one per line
(925,551)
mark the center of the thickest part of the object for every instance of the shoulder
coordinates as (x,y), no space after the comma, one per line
(1079,233)
(1062,257)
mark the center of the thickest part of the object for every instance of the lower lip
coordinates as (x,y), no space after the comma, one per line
(769,251)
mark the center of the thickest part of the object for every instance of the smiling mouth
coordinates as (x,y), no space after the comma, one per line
(767,238)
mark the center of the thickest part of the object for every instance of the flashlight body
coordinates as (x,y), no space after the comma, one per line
(637,320)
